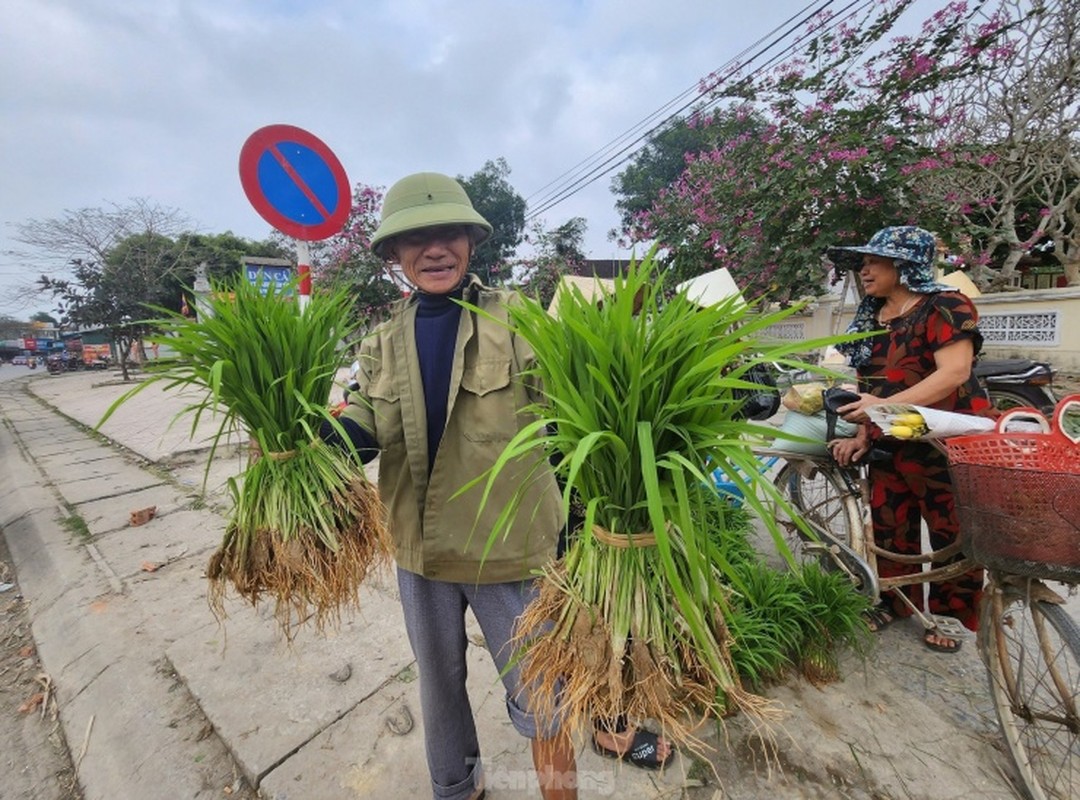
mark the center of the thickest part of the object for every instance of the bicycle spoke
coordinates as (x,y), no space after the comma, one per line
(820,499)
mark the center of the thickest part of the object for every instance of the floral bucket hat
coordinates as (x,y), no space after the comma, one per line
(912,250)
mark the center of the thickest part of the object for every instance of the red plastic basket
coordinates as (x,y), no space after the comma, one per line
(1018,496)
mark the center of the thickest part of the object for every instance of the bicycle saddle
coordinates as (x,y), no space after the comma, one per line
(834,398)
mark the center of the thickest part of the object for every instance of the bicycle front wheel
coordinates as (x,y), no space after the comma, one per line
(1031,648)
(822,499)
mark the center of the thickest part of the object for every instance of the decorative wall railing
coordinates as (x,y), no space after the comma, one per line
(1042,324)
(1032,329)
(786,331)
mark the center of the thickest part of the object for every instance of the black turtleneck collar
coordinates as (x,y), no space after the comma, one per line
(431,304)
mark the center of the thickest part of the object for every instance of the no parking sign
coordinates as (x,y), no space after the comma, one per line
(298,185)
(295,182)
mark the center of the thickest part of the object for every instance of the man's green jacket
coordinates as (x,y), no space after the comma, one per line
(436,534)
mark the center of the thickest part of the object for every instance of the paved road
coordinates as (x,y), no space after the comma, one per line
(12,372)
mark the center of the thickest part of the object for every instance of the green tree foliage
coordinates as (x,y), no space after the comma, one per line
(11,328)
(108,297)
(41,316)
(558,252)
(222,253)
(122,261)
(495,199)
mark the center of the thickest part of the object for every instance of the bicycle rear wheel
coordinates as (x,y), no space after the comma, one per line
(823,500)
(1031,648)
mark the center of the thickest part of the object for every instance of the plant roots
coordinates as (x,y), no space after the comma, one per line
(305,577)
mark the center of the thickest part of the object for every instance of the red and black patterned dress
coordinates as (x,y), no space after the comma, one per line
(915,484)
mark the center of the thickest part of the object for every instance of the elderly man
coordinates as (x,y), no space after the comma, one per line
(438,399)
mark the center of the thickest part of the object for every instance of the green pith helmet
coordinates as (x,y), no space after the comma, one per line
(425,200)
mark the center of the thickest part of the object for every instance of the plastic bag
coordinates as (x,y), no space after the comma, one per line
(805,398)
(810,426)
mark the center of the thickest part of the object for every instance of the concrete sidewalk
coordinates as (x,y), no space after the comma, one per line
(171,704)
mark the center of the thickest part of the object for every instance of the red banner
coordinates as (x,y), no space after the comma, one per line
(92,352)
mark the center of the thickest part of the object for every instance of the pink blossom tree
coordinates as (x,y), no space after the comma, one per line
(850,135)
(1009,139)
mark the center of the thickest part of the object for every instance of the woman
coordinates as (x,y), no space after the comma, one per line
(925,339)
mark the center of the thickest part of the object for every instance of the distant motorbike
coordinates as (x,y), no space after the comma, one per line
(1014,382)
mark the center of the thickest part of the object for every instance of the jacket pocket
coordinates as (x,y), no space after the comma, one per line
(488,401)
(487,376)
(386,405)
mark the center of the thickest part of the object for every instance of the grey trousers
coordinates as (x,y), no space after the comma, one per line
(435,621)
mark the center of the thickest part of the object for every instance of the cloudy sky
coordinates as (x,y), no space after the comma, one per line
(103,101)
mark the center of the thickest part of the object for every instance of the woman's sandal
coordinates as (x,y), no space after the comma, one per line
(879,618)
(948,644)
(642,751)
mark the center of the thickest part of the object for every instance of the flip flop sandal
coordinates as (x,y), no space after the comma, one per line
(879,618)
(941,647)
(641,752)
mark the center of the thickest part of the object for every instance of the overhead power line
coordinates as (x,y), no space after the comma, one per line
(603,162)
(571,181)
(695,90)
(836,22)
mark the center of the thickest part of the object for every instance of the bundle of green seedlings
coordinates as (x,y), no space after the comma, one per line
(641,403)
(781,620)
(306,526)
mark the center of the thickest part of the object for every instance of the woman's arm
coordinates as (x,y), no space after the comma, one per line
(952,366)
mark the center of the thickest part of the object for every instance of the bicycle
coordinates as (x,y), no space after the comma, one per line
(1027,640)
